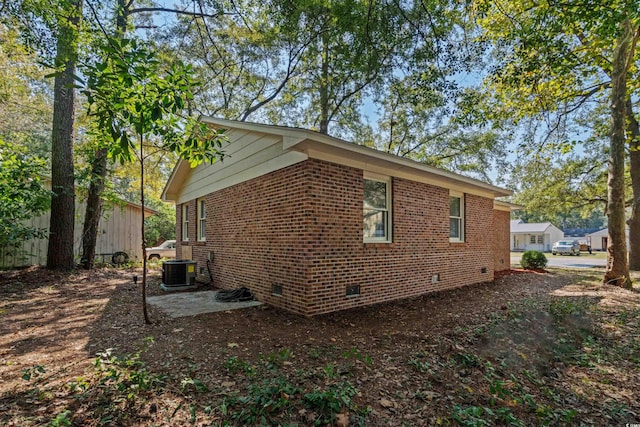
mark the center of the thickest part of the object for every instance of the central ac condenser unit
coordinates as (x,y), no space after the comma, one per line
(179,274)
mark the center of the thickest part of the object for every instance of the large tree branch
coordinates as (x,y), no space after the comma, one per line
(632,49)
(176,11)
(294,60)
(425,141)
(588,92)
(373,76)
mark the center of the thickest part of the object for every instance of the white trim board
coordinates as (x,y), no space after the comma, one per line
(252,154)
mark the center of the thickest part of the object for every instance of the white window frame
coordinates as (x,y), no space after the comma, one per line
(532,239)
(185,222)
(387,238)
(540,239)
(202,220)
(460,238)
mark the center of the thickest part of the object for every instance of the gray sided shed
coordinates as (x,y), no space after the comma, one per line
(119,231)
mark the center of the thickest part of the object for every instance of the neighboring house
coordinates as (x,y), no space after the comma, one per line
(314,224)
(119,231)
(599,239)
(534,237)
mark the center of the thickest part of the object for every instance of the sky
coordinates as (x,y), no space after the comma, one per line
(370,109)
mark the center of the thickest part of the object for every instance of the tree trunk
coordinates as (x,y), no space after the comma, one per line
(144,250)
(634,160)
(94,208)
(617,270)
(60,252)
(324,87)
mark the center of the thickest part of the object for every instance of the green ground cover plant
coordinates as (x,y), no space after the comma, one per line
(552,349)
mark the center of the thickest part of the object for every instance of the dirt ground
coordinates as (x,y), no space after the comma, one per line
(532,348)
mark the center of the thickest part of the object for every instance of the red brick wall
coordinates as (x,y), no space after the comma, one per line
(301,227)
(254,230)
(501,251)
(404,268)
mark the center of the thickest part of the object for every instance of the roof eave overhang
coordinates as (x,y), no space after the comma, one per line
(502,205)
(372,160)
(325,147)
(171,190)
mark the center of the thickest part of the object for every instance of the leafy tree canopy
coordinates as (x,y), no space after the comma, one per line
(329,65)
(135,97)
(162,225)
(23,194)
(25,95)
(551,66)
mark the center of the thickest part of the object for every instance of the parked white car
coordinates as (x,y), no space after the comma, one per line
(166,250)
(569,247)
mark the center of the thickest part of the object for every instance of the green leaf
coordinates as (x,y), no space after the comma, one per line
(156,113)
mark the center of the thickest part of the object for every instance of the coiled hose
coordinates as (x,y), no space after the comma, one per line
(241,294)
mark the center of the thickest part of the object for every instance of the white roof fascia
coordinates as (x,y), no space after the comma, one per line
(501,205)
(182,168)
(301,139)
(164,196)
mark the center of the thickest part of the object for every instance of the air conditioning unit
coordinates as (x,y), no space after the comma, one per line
(178,275)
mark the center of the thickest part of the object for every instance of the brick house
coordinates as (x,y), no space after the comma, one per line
(314,224)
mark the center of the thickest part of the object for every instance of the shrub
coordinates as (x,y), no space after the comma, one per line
(533,259)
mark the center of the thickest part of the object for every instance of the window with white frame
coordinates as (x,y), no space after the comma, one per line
(532,240)
(376,212)
(185,222)
(540,239)
(202,220)
(456,217)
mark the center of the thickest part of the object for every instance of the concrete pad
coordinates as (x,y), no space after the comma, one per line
(193,303)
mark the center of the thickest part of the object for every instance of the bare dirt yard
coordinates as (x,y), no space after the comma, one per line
(546,348)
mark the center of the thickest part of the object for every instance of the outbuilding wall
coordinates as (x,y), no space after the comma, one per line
(300,228)
(119,231)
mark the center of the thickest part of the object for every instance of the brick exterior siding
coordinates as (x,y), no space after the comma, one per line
(501,248)
(301,228)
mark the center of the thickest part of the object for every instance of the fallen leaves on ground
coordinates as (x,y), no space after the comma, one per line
(536,347)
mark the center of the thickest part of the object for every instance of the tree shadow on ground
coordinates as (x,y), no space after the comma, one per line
(442,355)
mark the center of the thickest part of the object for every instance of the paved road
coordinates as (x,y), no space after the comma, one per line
(582,261)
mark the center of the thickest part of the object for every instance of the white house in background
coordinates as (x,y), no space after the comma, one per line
(599,239)
(534,236)
(119,231)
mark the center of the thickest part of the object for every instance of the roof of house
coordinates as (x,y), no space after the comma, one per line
(507,206)
(604,232)
(316,145)
(536,227)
